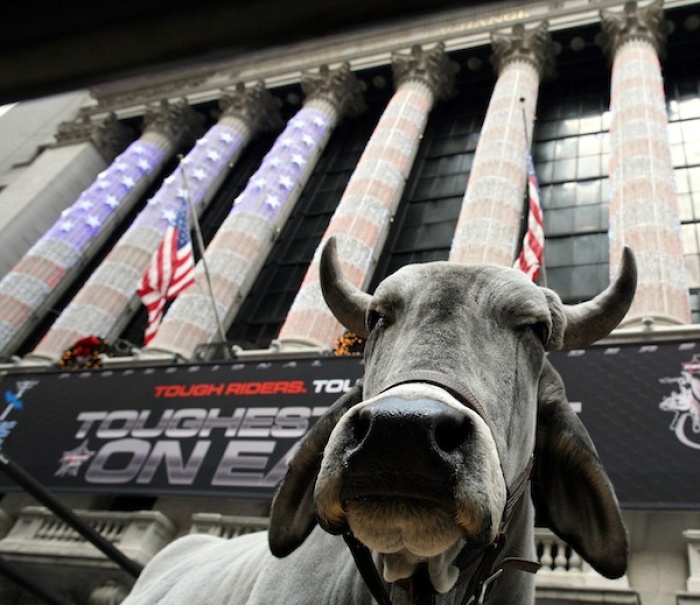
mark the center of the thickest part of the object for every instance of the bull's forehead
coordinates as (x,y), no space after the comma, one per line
(477,289)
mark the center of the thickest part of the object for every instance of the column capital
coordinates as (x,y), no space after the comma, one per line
(176,121)
(634,23)
(432,67)
(339,86)
(108,134)
(254,105)
(534,46)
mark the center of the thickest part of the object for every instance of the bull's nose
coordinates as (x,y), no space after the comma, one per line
(421,422)
(395,443)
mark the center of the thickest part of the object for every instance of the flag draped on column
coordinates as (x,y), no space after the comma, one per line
(170,271)
(529,260)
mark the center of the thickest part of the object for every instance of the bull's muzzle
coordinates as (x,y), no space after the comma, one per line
(413,469)
(405,449)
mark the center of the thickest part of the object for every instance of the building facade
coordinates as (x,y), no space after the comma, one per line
(409,143)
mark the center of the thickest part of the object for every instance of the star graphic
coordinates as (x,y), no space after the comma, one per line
(85,205)
(137,149)
(93,221)
(144,165)
(274,162)
(199,174)
(182,193)
(226,137)
(111,201)
(286,143)
(186,160)
(128,182)
(286,182)
(307,140)
(121,166)
(258,182)
(319,121)
(202,141)
(169,179)
(170,215)
(272,201)
(213,155)
(298,160)
(66,226)
(103,184)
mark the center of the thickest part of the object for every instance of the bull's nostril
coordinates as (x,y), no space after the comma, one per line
(451,433)
(360,426)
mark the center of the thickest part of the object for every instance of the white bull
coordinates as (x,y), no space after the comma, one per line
(433,466)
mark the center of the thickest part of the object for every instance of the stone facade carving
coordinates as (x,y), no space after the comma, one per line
(255,105)
(634,23)
(534,46)
(176,121)
(147,89)
(339,87)
(109,135)
(432,67)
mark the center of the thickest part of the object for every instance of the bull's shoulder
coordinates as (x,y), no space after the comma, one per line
(205,570)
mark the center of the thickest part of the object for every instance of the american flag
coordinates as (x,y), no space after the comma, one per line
(530,259)
(170,271)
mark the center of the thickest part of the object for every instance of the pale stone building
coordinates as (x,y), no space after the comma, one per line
(409,143)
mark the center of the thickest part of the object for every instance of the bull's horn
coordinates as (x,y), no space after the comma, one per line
(592,320)
(347,302)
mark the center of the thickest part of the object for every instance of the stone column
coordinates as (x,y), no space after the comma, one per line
(236,254)
(361,221)
(489,221)
(52,182)
(643,205)
(69,244)
(46,271)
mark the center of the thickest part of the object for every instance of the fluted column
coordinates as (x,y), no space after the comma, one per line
(489,222)
(46,271)
(85,226)
(361,220)
(236,254)
(643,206)
(53,181)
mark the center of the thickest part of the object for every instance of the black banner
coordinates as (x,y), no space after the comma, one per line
(227,430)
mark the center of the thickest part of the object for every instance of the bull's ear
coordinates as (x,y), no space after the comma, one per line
(571,491)
(293,514)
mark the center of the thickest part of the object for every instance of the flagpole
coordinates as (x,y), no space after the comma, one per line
(200,245)
(543,269)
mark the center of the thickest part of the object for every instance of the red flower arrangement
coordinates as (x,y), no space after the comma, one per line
(85,354)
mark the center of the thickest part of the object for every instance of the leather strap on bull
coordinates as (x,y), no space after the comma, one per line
(489,568)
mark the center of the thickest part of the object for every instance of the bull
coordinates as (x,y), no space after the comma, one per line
(433,466)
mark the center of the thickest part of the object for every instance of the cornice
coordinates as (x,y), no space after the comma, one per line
(371,47)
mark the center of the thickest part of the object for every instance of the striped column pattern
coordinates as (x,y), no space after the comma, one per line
(489,222)
(93,310)
(236,254)
(361,220)
(48,268)
(644,211)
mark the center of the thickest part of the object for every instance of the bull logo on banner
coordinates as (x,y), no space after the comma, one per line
(685,404)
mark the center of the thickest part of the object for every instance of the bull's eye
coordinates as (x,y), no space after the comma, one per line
(372,319)
(541,330)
